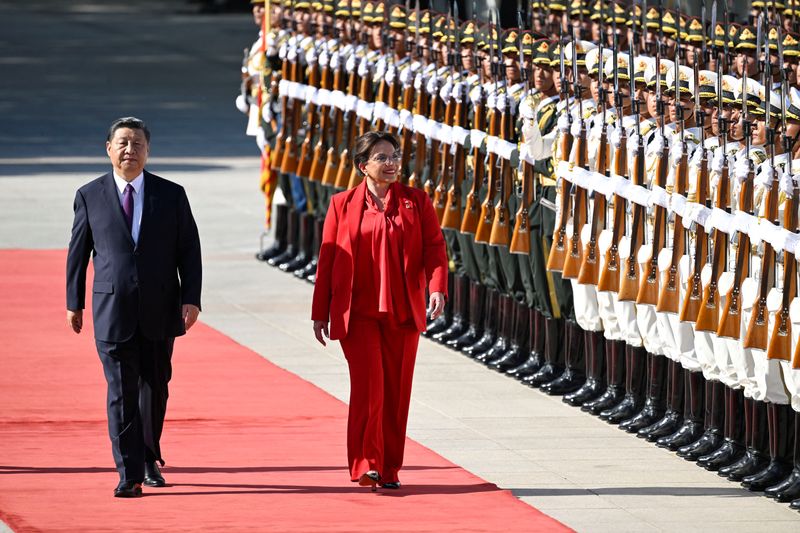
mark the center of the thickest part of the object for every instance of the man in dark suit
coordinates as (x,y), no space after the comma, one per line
(139,230)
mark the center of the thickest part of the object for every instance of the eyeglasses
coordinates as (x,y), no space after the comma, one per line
(382,159)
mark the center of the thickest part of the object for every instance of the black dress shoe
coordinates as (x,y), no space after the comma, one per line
(128,489)
(152,475)
(391,485)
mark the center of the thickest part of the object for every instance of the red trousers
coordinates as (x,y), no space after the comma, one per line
(381,359)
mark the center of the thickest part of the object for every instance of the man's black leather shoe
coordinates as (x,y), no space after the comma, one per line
(128,489)
(152,476)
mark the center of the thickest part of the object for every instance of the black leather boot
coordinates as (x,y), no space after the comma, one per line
(535,344)
(692,427)
(517,352)
(780,421)
(574,364)
(460,322)
(292,239)
(306,240)
(442,322)
(673,416)
(491,316)
(656,398)
(711,439)
(732,447)
(795,505)
(789,489)
(310,270)
(553,354)
(503,340)
(615,377)
(756,456)
(635,381)
(281,226)
(475,323)
(595,383)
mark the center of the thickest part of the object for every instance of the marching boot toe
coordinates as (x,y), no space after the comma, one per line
(530,366)
(152,475)
(707,443)
(511,359)
(620,412)
(727,454)
(569,381)
(688,433)
(787,490)
(752,462)
(647,416)
(591,389)
(128,489)
(775,472)
(483,344)
(668,425)
(546,374)
(468,338)
(609,399)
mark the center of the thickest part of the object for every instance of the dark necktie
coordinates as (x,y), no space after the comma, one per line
(127,205)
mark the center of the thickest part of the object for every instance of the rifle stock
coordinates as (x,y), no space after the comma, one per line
(609,279)
(277,153)
(669,296)
(780,343)
(406,143)
(441,189)
(451,219)
(520,237)
(484,228)
(472,211)
(331,165)
(415,180)
(694,293)
(558,251)
(363,126)
(648,285)
(345,159)
(574,255)
(500,234)
(305,160)
(589,273)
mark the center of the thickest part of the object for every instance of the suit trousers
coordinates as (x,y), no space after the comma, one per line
(137,372)
(381,359)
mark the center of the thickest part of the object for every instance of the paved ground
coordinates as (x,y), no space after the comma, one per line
(66,75)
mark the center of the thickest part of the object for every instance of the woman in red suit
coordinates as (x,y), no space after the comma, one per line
(381,247)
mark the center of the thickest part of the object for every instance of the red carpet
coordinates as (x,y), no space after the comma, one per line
(249,447)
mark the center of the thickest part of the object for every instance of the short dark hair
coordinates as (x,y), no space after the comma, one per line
(367,142)
(128,122)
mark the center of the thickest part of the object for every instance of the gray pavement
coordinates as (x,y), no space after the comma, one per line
(571,466)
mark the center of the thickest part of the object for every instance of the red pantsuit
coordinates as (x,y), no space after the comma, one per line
(371,276)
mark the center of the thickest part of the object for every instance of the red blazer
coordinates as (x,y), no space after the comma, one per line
(424,255)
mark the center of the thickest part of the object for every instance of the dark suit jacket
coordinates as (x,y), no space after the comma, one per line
(141,285)
(424,255)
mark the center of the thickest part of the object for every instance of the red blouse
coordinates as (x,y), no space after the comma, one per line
(379,289)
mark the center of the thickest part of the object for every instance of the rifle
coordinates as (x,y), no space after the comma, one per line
(694,293)
(472,210)
(364,94)
(384,86)
(440,191)
(451,219)
(500,221)
(318,167)
(408,93)
(708,314)
(558,251)
(757,334)
(648,285)
(286,73)
(289,161)
(609,277)
(336,131)
(435,114)
(780,343)
(420,141)
(520,237)
(305,159)
(730,323)
(346,167)
(590,264)
(484,227)
(669,297)
(573,258)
